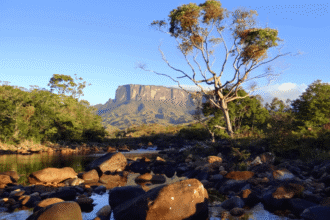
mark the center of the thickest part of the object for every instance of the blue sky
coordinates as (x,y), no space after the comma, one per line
(102,41)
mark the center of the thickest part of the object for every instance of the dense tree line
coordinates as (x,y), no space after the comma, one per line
(308,113)
(40,115)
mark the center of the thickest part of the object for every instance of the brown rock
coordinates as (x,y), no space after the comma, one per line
(180,200)
(144,177)
(212,159)
(111,149)
(109,162)
(267,158)
(91,176)
(13,174)
(4,180)
(239,175)
(145,159)
(123,148)
(46,202)
(112,181)
(160,159)
(49,175)
(63,210)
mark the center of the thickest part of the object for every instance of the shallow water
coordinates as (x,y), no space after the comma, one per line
(102,200)
(258,212)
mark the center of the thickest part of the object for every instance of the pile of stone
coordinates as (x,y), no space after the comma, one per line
(295,189)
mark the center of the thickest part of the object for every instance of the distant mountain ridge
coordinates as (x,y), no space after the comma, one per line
(138,104)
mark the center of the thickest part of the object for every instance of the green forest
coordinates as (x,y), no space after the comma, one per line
(41,116)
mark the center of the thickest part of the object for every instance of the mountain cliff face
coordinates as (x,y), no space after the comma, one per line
(151,93)
(138,104)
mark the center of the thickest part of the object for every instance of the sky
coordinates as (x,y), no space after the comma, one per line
(103,41)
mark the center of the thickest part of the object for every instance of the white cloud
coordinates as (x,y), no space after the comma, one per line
(287,86)
(282,91)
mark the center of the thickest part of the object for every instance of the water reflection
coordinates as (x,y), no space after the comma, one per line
(34,162)
(258,212)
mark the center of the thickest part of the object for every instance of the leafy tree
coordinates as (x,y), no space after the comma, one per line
(7,113)
(313,106)
(254,44)
(43,116)
(13,110)
(278,105)
(244,113)
(55,81)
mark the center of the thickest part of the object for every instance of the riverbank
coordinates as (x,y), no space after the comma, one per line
(104,199)
(131,182)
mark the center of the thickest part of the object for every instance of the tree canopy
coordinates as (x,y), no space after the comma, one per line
(254,43)
(40,115)
(246,113)
(313,105)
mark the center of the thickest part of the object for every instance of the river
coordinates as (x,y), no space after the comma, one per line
(36,162)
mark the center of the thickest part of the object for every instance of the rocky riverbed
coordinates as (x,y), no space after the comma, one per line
(174,182)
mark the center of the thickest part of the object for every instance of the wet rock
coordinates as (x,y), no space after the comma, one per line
(13,174)
(90,176)
(109,162)
(46,202)
(111,149)
(5,179)
(120,195)
(104,213)
(187,198)
(123,149)
(139,167)
(51,175)
(301,188)
(85,204)
(62,210)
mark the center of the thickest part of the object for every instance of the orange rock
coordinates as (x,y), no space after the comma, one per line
(239,175)
(212,159)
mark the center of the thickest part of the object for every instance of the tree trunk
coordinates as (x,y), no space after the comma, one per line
(229,129)
(213,140)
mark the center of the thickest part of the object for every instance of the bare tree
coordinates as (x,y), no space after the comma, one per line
(197,115)
(254,42)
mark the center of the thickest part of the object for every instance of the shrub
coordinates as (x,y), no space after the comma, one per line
(194,134)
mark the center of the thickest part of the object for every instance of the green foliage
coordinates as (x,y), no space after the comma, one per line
(243,155)
(215,195)
(55,81)
(242,166)
(313,106)
(243,113)
(40,115)
(197,132)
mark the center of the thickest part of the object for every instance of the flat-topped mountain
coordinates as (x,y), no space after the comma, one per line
(138,104)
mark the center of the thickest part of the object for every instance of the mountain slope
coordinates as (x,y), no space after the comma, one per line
(140,104)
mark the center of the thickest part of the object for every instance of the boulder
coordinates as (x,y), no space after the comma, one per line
(119,195)
(123,149)
(111,149)
(52,175)
(115,180)
(291,188)
(13,174)
(5,180)
(63,210)
(109,162)
(91,176)
(180,200)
